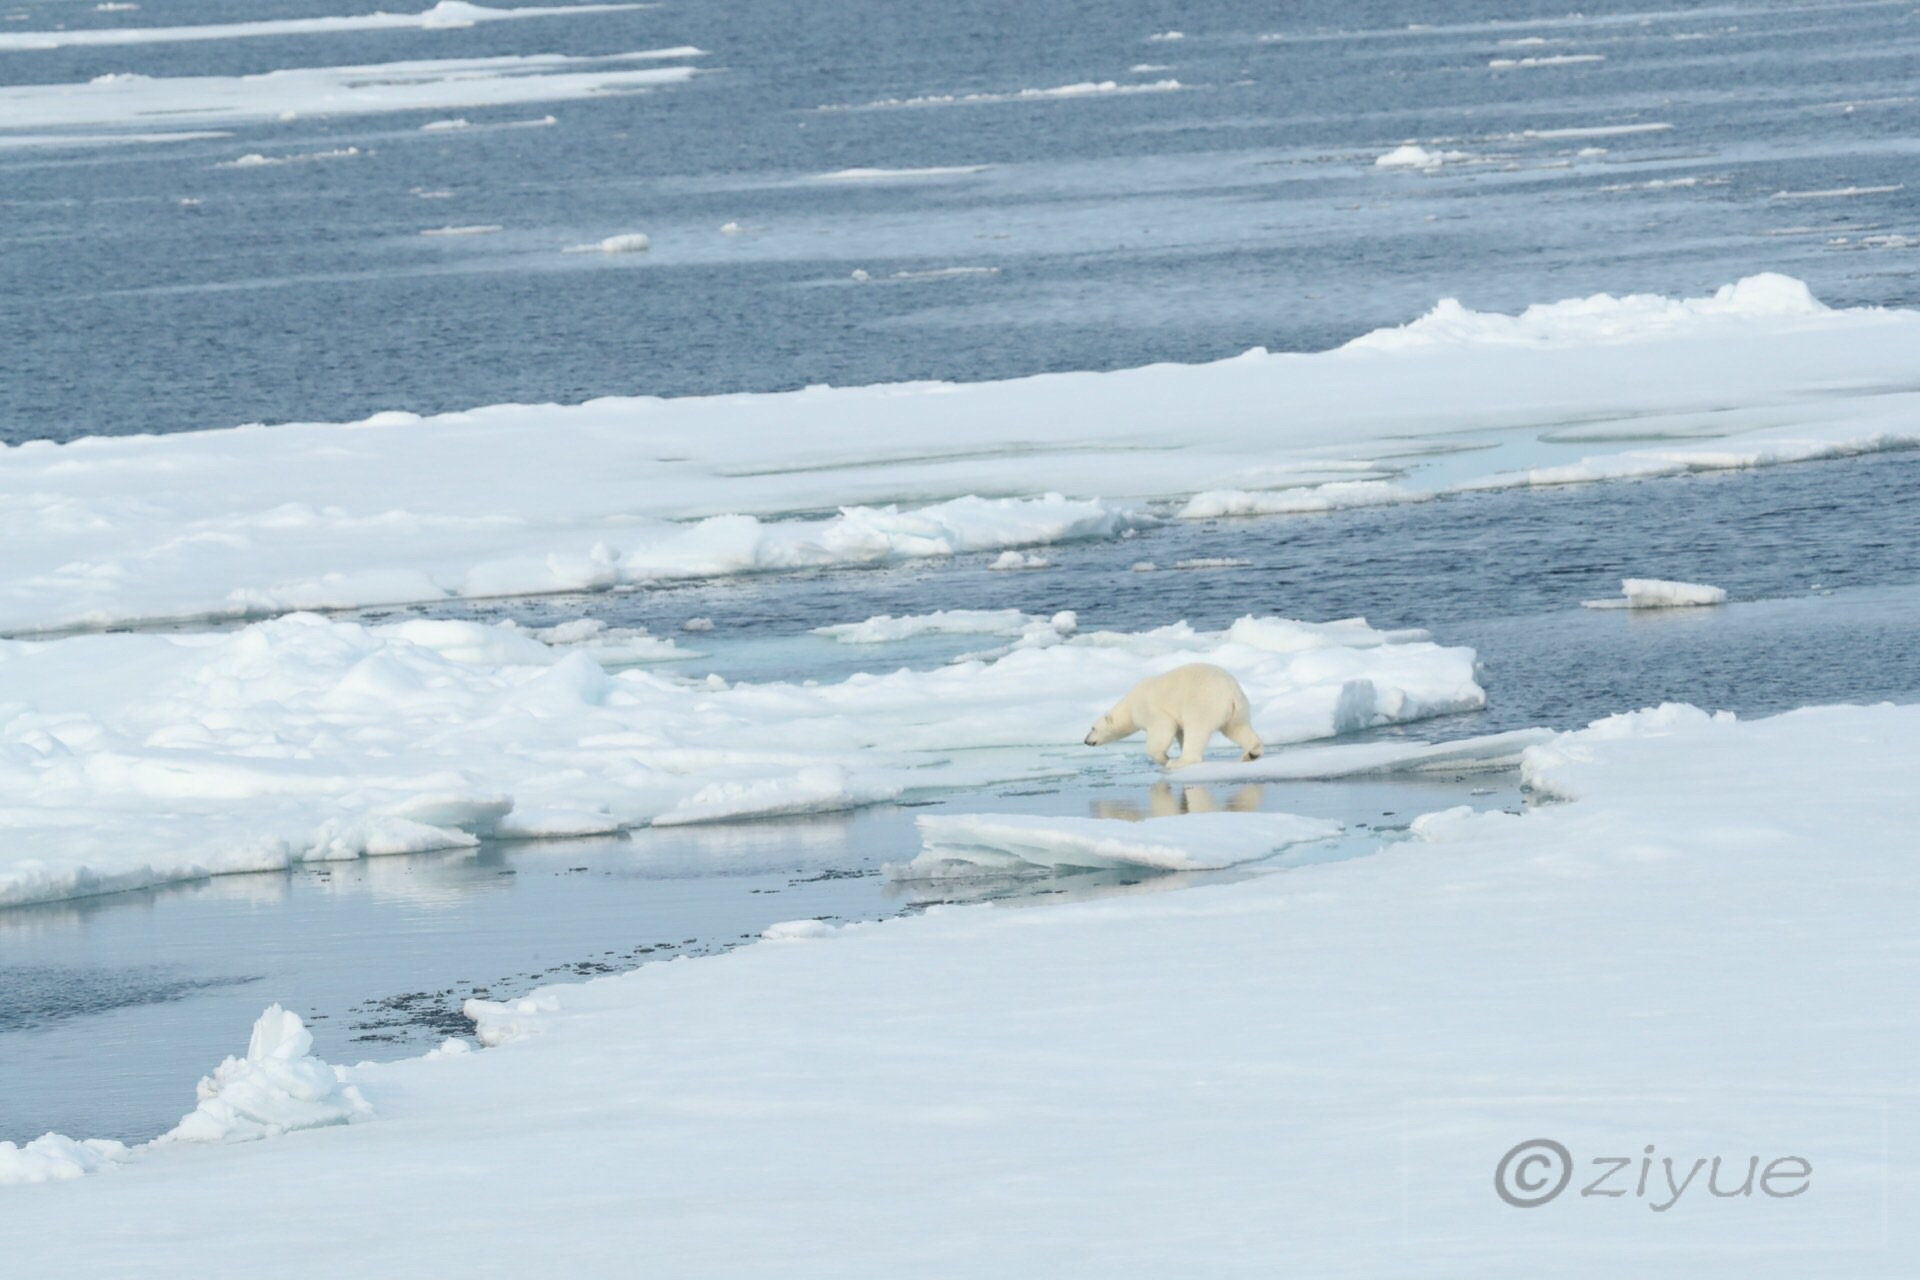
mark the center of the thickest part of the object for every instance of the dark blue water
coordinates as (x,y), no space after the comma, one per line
(1821,561)
(1243,210)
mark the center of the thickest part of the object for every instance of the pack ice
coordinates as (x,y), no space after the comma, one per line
(1706,940)
(131,759)
(518,499)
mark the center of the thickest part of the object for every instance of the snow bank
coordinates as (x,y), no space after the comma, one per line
(1706,951)
(1654,593)
(129,760)
(995,844)
(278,1087)
(446,15)
(520,499)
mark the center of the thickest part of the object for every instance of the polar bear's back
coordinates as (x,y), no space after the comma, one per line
(1198,690)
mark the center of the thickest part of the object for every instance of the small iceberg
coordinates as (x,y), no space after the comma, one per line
(1657,593)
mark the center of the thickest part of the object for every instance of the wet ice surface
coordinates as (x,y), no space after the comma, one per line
(1105,230)
(130,998)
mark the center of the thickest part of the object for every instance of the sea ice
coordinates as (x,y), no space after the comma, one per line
(1706,945)
(446,15)
(546,498)
(129,760)
(975,844)
(1655,593)
(279,1086)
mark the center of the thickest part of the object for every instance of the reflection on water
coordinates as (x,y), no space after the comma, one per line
(1164,800)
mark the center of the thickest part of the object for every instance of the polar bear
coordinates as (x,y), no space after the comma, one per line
(1187,705)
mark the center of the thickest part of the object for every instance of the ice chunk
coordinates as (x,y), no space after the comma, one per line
(279,1086)
(1012,560)
(798,930)
(1411,156)
(56,1158)
(958,845)
(1656,593)
(886,629)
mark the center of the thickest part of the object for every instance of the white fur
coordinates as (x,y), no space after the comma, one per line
(1187,705)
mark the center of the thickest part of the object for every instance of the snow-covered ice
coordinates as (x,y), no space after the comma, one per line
(129,760)
(1413,156)
(522,499)
(127,99)
(517,499)
(901,175)
(957,846)
(1705,943)
(279,1086)
(1657,593)
(1057,93)
(886,629)
(446,15)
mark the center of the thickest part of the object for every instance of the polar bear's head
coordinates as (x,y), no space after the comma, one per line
(1111,727)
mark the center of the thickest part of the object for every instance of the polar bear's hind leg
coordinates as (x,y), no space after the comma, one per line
(1240,732)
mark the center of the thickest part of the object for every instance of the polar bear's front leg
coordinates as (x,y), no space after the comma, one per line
(1193,744)
(1159,738)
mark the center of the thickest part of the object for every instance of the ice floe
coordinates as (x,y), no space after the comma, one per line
(1711,936)
(1080,89)
(961,845)
(886,629)
(1657,593)
(516,499)
(1411,156)
(446,15)
(431,85)
(129,760)
(901,175)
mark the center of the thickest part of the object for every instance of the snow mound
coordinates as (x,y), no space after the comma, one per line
(57,1158)
(963,845)
(278,1087)
(1601,318)
(1656,593)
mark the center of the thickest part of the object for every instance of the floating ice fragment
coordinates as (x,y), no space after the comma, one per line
(1656,593)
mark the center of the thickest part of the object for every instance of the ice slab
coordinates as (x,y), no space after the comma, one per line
(996,844)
